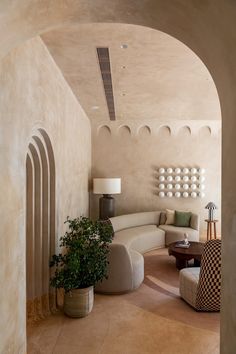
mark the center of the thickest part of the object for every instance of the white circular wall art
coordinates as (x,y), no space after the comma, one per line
(161,178)
(185,178)
(185,194)
(185,186)
(161,170)
(177,194)
(201,171)
(161,194)
(169,170)
(193,170)
(185,170)
(169,194)
(201,179)
(193,178)
(169,178)
(161,186)
(177,170)
(201,194)
(193,186)
(202,187)
(177,186)
(169,186)
(194,195)
(177,178)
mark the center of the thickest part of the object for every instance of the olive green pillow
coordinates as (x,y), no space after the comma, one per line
(182,218)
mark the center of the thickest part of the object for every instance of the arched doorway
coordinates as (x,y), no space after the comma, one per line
(40,225)
(206,27)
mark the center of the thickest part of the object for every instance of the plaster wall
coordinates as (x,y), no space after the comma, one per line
(35,95)
(134,151)
(208,27)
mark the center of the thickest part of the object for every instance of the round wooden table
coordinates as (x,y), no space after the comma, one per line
(183,255)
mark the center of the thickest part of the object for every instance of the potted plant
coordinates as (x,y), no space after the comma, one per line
(83,263)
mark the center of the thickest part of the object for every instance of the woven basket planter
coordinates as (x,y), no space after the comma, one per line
(79,302)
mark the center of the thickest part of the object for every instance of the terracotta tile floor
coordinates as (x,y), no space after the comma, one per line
(152,319)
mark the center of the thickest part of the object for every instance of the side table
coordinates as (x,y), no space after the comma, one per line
(211,229)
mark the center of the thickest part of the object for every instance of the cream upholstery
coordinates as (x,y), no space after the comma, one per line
(134,235)
(188,280)
(174,233)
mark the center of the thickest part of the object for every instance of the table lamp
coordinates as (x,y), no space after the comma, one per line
(106,186)
(211,207)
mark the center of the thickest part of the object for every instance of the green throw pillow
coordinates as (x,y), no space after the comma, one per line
(182,218)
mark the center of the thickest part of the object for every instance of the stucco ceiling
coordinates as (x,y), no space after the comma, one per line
(156,76)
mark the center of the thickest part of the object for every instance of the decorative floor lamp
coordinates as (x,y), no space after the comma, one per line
(106,186)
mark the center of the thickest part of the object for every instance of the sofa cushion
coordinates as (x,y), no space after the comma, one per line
(141,238)
(182,218)
(137,219)
(170,217)
(174,233)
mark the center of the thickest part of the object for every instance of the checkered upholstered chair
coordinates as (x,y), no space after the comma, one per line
(200,287)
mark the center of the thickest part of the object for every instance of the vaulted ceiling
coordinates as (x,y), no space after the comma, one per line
(153,75)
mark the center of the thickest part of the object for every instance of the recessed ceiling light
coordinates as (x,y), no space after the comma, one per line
(124,46)
(95,107)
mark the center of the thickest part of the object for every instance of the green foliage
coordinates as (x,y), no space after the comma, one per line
(85,261)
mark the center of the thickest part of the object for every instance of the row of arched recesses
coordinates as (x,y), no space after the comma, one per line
(145,130)
(40,225)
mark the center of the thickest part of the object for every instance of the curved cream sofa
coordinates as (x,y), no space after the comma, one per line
(135,234)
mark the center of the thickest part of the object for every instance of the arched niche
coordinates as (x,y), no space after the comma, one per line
(104,132)
(204,132)
(184,132)
(164,131)
(40,225)
(124,131)
(144,131)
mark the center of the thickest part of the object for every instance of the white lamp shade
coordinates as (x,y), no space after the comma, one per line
(106,185)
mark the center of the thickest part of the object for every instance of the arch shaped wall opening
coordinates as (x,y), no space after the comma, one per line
(206,39)
(40,226)
(164,97)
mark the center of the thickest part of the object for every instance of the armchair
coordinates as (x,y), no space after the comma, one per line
(200,287)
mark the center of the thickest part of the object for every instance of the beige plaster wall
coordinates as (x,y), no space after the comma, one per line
(208,27)
(136,154)
(34,94)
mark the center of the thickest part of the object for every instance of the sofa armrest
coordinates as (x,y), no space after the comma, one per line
(194,222)
(119,271)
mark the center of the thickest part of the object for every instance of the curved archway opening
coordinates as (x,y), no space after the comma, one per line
(40,226)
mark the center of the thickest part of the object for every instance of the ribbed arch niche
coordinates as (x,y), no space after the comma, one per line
(40,225)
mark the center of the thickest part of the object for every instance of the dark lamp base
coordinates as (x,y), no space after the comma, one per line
(106,207)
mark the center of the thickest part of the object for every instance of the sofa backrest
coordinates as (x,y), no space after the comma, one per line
(138,219)
(194,221)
